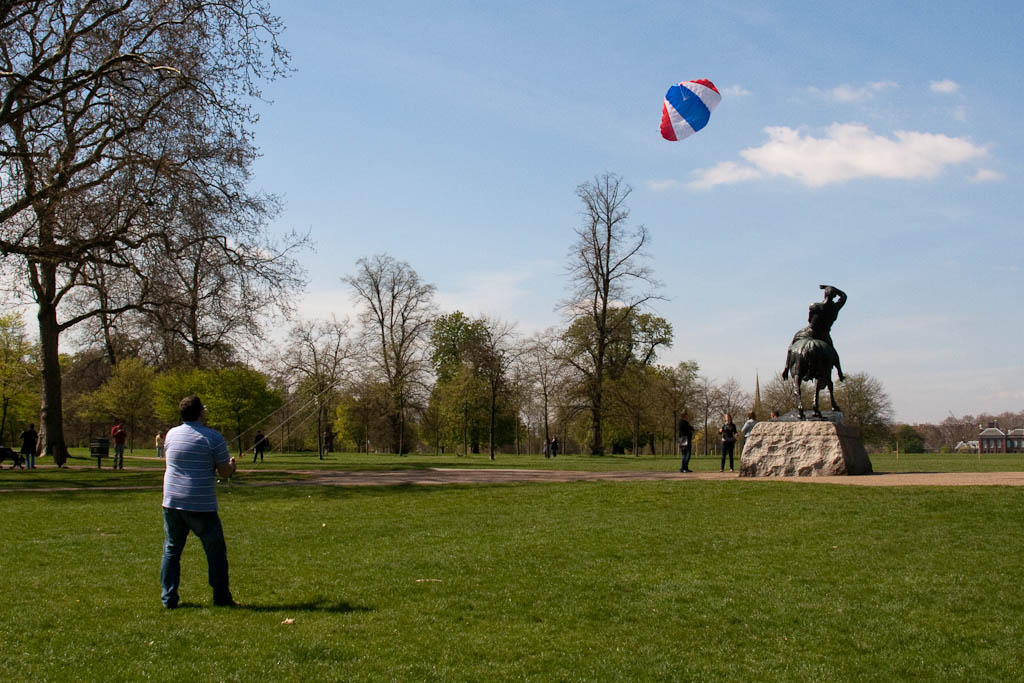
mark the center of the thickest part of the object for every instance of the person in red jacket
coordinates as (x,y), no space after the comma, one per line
(119,434)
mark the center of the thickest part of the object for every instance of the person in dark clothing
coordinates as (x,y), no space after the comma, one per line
(554,447)
(29,441)
(685,441)
(728,432)
(260,445)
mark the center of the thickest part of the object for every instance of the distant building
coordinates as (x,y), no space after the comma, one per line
(1015,441)
(994,440)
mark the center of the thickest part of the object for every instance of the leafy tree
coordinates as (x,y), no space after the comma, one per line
(678,389)
(172,386)
(113,116)
(631,379)
(19,372)
(866,405)
(606,262)
(127,394)
(907,439)
(459,396)
(361,415)
(236,400)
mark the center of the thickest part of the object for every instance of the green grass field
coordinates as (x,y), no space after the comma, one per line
(599,581)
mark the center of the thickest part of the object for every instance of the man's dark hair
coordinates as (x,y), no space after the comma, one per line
(190,408)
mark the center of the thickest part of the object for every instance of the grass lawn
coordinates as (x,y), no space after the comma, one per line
(599,581)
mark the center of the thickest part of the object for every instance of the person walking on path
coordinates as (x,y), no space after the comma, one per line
(728,432)
(159,443)
(29,442)
(119,434)
(685,441)
(260,444)
(195,453)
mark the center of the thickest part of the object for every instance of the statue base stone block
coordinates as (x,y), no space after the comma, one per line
(811,448)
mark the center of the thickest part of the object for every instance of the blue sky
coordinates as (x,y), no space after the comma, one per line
(874,145)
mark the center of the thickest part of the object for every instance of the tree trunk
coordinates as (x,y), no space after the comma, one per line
(597,445)
(3,421)
(490,426)
(51,418)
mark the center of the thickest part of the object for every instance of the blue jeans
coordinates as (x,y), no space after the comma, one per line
(30,459)
(685,452)
(205,525)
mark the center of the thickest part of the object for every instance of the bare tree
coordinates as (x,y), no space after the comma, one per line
(317,355)
(606,262)
(731,398)
(110,113)
(396,319)
(544,367)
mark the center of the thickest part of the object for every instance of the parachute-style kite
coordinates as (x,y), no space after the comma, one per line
(687,108)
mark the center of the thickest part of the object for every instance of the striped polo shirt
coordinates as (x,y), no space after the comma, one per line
(192,451)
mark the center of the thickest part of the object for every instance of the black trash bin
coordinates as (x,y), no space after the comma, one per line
(99,449)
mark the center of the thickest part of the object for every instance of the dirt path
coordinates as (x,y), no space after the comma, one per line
(442,476)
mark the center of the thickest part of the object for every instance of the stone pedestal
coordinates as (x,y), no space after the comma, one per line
(803,449)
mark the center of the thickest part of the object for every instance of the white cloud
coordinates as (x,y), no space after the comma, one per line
(662,185)
(736,91)
(725,173)
(855,93)
(944,87)
(987,175)
(847,151)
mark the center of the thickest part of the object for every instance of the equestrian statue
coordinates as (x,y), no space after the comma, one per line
(811,355)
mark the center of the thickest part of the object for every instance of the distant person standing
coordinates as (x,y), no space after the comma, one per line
(195,453)
(29,442)
(728,432)
(259,446)
(554,447)
(119,434)
(685,441)
(159,443)
(748,426)
(547,448)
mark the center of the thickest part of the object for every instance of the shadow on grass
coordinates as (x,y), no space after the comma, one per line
(322,605)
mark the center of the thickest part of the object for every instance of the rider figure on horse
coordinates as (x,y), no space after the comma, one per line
(820,317)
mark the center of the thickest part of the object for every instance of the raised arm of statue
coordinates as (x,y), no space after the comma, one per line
(831,292)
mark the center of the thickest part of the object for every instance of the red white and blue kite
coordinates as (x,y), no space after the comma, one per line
(687,108)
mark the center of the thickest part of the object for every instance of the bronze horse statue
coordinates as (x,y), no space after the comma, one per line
(811,355)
